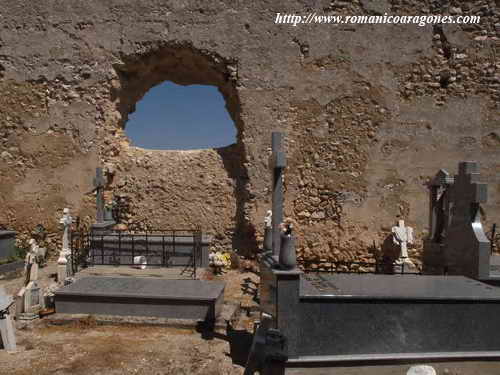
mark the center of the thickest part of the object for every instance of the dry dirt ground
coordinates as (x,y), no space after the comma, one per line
(87,348)
(84,347)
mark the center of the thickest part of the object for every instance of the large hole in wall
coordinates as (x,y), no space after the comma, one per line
(177,117)
(185,66)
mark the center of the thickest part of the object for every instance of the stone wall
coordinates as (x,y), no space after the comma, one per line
(371,112)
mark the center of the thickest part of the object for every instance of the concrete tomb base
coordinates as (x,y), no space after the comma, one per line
(134,296)
(345,317)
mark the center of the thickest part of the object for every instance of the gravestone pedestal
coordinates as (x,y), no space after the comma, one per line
(29,301)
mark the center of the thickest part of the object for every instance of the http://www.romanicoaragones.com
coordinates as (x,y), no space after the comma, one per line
(313,18)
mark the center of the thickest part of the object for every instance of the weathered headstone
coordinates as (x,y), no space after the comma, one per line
(33,300)
(268,231)
(99,183)
(64,261)
(277,164)
(466,247)
(7,336)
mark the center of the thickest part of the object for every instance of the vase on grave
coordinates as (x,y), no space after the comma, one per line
(108,214)
(287,256)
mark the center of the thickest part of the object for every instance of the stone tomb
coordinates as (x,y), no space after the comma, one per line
(149,297)
(341,317)
(324,319)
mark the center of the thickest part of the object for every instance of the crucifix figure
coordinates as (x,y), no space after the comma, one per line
(402,236)
(277,164)
(99,184)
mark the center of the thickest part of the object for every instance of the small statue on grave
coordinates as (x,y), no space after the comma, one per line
(31,263)
(268,231)
(62,262)
(402,236)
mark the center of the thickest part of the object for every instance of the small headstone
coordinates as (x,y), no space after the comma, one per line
(29,301)
(421,370)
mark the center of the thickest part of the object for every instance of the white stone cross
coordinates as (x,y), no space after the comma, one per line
(402,236)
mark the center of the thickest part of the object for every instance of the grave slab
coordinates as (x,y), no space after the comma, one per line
(133,296)
(332,318)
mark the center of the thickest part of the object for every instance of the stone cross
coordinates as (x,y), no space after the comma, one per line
(402,236)
(277,164)
(99,183)
(467,249)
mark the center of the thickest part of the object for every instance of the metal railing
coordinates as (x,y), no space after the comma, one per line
(163,248)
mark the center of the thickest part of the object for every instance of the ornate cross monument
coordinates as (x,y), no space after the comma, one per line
(99,184)
(277,163)
(466,247)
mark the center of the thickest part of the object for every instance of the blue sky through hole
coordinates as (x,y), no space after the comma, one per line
(175,117)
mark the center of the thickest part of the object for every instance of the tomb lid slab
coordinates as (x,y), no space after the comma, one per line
(136,287)
(397,287)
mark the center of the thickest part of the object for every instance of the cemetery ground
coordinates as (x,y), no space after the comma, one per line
(86,347)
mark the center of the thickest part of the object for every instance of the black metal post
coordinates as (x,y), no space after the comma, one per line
(493,235)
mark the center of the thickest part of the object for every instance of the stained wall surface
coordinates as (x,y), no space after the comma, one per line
(371,112)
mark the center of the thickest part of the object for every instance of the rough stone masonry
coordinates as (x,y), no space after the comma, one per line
(370,113)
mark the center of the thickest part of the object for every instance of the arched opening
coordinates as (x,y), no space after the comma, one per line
(181,185)
(177,117)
